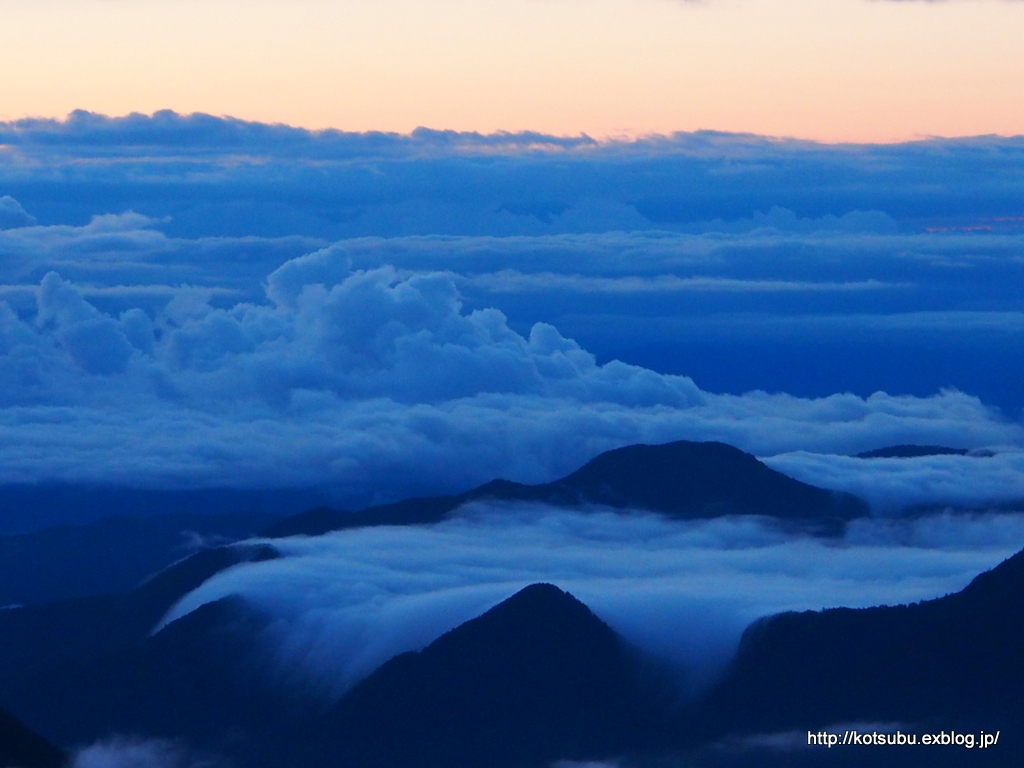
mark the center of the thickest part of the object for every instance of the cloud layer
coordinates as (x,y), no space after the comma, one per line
(803,306)
(890,484)
(176,315)
(219,176)
(343,603)
(378,383)
(122,752)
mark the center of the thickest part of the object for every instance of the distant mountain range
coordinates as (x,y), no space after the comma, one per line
(28,507)
(110,555)
(139,532)
(911,451)
(682,480)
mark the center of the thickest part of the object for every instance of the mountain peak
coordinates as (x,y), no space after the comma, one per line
(683,479)
(535,679)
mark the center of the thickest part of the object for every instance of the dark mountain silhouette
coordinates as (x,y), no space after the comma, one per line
(22,748)
(109,555)
(535,679)
(954,662)
(203,678)
(75,667)
(684,480)
(538,678)
(28,507)
(911,451)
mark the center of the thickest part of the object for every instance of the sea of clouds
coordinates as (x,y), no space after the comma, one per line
(190,301)
(380,383)
(198,302)
(343,603)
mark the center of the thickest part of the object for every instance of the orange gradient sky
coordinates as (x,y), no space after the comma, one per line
(832,70)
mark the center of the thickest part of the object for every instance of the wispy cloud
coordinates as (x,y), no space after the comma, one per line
(511,281)
(120,752)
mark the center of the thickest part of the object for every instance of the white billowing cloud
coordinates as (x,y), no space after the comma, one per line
(325,267)
(343,603)
(378,383)
(93,340)
(968,481)
(122,241)
(12,214)
(130,249)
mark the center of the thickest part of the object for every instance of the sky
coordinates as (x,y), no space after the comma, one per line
(828,70)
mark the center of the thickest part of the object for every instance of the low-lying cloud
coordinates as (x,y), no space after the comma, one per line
(13,215)
(122,752)
(892,484)
(343,603)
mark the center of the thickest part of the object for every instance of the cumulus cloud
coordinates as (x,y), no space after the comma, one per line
(343,603)
(93,340)
(13,215)
(741,262)
(482,316)
(379,383)
(809,314)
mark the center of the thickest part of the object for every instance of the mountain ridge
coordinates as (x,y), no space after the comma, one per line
(536,678)
(952,660)
(681,479)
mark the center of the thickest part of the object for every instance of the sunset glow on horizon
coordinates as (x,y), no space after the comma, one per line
(833,70)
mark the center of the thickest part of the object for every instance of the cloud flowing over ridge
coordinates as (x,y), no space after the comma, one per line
(343,603)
